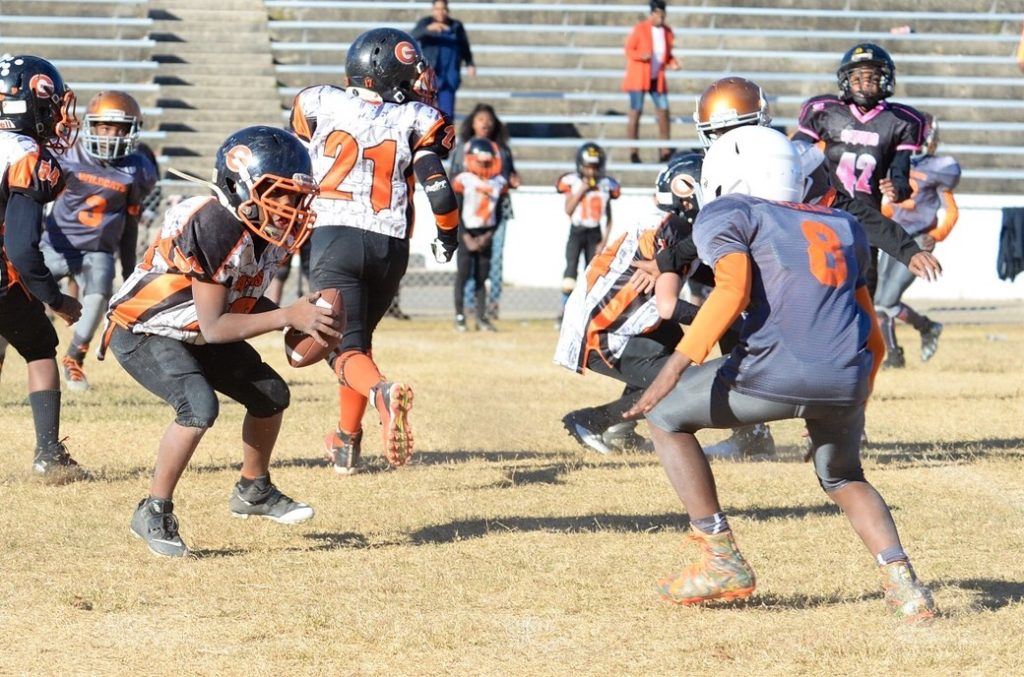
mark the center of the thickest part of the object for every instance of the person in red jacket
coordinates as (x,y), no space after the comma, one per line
(648,54)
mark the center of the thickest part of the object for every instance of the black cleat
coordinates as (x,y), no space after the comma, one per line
(267,501)
(586,427)
(894,359)
(930,340)
(56,466)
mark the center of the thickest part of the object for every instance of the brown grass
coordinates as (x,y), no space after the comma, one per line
(505,549)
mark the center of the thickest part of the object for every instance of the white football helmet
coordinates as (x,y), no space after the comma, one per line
(757,161)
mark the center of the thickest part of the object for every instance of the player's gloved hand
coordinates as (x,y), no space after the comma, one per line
(444,245)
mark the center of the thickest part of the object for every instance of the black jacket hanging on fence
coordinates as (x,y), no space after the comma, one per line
(1011,244)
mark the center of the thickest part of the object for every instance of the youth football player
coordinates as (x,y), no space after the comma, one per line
(809,348)
(370,142)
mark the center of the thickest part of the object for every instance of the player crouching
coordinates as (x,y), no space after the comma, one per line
(809,348)
(178,324)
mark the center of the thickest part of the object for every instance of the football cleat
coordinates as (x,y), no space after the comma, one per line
(587,426)
(905,595)
(483,324)
(267,501)
(460,323)
(344,451)
(624,437)
(393,402)
(74,374)
(894,359)
(721,574)
(754,440)
(930,341)
(155,523)
(55,465)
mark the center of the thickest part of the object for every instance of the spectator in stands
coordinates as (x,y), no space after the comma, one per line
(648,54)
(445,47)
(483,122)
(1020,52)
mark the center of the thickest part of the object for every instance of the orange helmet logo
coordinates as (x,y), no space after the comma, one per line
(683,186)
(42,86)
(406,52)
(238,158)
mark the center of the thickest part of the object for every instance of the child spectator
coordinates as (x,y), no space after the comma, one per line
(479,189)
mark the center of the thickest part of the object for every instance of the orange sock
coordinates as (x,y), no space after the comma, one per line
(357,371)
(351,407)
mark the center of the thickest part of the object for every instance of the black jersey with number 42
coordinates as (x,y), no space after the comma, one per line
(860,146)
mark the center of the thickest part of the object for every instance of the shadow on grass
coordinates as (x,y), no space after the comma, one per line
(599,523)
(768,601)
(909,453)
(213,553)
(991,593)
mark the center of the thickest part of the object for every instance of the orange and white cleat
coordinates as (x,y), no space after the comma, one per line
(722,573)
(74,374)
(394,401)
(906,595)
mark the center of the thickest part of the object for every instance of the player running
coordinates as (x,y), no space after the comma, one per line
(369,143)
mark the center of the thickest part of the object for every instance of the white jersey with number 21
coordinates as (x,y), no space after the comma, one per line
(362,154)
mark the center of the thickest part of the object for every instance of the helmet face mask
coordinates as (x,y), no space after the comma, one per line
(863,63)
(35,101)
(729,103)
(107,110)
(931,137)
(263,175)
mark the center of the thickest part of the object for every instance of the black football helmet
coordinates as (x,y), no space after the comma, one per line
(482,157)
(390,62)
(264,176)
(677,185)
(866,54)
(589,155)
(35,101)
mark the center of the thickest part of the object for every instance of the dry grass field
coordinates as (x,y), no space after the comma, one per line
(505,549)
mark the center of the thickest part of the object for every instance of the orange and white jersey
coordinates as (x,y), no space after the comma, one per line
(26,168)
(605,312)
(362,154)
(479,199)
(592,211)
(200,240)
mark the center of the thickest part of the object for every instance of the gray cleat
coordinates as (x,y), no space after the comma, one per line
(155,523)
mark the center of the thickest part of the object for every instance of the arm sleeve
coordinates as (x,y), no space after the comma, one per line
(633,44)
(419,31)
(899,174)
(882,232)
(128,245)
(678,257)
(730,297)
(430,173)
(22,231)
(875,342)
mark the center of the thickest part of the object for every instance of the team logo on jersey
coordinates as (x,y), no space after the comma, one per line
(683,186)
(42,86)
(406,52)
(238,158)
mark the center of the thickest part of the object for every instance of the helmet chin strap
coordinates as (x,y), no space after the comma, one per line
(221,197)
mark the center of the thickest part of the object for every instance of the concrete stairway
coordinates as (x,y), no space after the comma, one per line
(216,75)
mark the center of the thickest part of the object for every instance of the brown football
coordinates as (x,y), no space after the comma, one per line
(300,348)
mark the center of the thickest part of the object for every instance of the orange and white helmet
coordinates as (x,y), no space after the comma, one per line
(727,103)
(111,107)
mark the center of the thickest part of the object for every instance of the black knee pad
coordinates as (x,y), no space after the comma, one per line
(275,396)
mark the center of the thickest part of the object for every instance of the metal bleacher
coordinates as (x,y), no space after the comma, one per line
(558,65)
(96,45)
